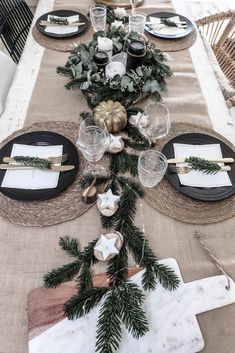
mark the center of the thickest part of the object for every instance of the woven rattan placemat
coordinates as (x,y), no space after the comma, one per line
(64,207)
(166,199)
(166,45)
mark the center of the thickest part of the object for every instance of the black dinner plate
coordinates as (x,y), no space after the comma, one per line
(202,194)
(63,13)
(41,138)
(150,30)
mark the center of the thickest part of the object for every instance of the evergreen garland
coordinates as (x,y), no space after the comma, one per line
(147,80)
(121,301)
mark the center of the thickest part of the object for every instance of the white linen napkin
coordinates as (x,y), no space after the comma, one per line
(166,30)
(196,178)
(32,179)
(62,29)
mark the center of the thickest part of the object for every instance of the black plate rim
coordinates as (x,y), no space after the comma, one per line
(193,192)
(62,12)
(169,14)
(43,194)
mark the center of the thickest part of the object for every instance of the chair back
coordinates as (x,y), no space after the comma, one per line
(15,22)
(219,30)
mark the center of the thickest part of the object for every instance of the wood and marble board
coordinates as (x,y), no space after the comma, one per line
(119,3)
(173,326)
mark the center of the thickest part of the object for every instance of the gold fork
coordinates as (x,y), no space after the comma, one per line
(54,160)
(185,170)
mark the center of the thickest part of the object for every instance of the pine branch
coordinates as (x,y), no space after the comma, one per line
(87,255)
(88,178)
(168,22)
(118,268)
(126,163)
(70,246)
(132,185)
(85,278)
(62,274)
(109,333)
(82,302)
(132,313)
(59,20)
(65,71)
(134,144)
(35,162)
(203,165)
(135,134)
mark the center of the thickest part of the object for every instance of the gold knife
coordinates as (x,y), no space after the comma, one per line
(71,24)
(221,160)
(54,168)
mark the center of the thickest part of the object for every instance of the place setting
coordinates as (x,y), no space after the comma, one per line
(58,29)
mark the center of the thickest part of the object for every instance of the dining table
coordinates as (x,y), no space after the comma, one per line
(27,253)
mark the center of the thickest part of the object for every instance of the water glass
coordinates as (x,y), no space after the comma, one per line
(158,122)
(93,140)
(152,166)
(98,15)
(137,22)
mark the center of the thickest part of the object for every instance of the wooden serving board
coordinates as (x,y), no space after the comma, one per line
(173,325)
(45,306)
(119,3)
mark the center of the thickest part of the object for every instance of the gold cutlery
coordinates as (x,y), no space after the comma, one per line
(185,170)
(220,160)
(54,160)
(72,24)
(54,168)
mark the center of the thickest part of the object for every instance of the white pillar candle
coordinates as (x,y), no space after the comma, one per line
(114,68)
(106,44)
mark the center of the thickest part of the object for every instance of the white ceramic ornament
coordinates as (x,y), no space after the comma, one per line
(107,203)
(117,24)
(120,12)
(116,144)
(173,325)
(139,120)
(108,246)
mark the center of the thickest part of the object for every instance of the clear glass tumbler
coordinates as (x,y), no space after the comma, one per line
(98,15)
(152,166)
(137,22)
(158,122)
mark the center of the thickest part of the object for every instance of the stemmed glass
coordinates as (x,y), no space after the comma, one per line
(152,166)
(98,15)
(157,122)
(93,140)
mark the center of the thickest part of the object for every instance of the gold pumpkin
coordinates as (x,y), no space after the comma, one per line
(113,114)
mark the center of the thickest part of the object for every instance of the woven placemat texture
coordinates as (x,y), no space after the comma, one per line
(166,199)
(66,44)
(65,206)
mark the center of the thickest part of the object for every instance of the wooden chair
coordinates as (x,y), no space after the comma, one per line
(15,22)
(219,32)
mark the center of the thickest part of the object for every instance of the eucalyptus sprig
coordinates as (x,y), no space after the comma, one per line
(203,165)
(35,162)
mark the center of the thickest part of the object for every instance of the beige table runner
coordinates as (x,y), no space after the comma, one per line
(26,254)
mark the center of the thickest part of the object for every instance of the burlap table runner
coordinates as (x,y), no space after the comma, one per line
(166,45)
(27,253)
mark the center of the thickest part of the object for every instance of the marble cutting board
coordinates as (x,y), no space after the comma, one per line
(171,315)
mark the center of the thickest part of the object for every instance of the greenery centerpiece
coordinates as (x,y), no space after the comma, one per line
(147,80)
(120,300)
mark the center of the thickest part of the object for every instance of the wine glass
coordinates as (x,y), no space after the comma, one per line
(157,122)
(93,140)
(152,166)
(98,15)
